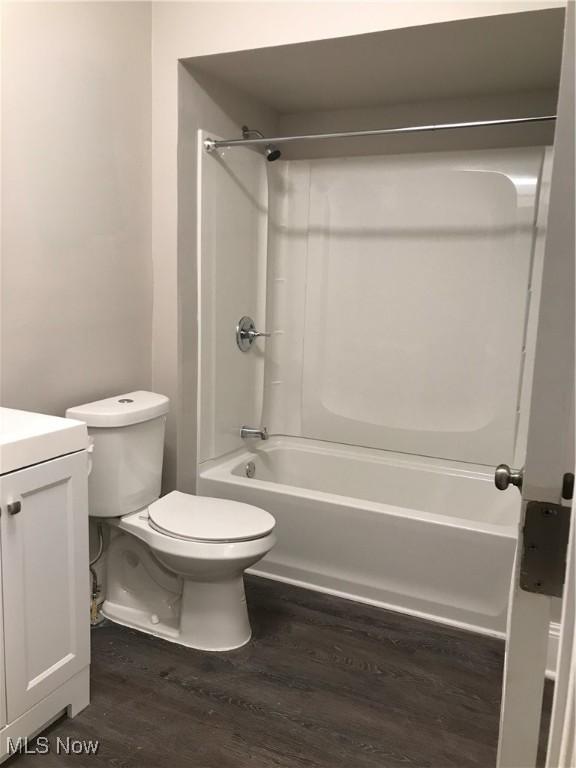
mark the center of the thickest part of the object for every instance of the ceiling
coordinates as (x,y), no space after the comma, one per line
(460,59)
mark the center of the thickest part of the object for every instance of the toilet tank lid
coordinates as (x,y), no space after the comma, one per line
(121,410)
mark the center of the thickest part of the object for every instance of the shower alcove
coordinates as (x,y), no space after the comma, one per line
(399,279)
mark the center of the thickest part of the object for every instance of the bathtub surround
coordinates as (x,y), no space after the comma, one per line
(230,383)
(390,279)
(384,283)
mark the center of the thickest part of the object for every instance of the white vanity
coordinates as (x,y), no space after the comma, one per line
(44,611)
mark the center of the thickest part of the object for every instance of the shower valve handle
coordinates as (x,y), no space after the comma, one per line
(504,477)
(246,333)
(255,334)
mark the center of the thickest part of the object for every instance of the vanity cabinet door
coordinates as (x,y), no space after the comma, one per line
(45,578)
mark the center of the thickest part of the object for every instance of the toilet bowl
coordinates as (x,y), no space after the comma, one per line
(207,544)
(175,565)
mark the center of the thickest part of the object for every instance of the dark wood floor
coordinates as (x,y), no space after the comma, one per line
(325,683)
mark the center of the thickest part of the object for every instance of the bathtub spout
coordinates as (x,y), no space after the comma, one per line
(260,432)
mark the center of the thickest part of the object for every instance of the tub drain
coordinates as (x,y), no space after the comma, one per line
(250,469)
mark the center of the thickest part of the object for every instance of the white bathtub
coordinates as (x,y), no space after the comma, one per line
(422,536)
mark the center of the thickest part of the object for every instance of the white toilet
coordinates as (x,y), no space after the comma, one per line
(174,564)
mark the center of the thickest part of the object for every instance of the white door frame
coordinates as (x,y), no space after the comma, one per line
(550,454)
(562,726)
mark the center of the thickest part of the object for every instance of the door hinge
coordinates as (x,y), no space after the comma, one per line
(544,546)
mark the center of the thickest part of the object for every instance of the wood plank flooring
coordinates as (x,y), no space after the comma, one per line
(325,683)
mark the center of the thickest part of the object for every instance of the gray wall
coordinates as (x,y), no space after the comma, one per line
(76,289)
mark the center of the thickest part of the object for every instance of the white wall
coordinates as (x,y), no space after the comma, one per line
(182,30)
(76,262)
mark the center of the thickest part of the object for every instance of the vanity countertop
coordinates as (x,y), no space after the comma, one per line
(28,438)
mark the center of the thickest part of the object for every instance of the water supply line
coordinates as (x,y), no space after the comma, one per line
(94,619)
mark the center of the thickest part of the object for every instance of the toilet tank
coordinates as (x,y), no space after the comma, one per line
(128,435)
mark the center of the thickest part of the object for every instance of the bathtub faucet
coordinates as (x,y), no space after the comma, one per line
(260,432)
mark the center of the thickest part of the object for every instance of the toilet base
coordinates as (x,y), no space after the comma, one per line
(141,620)
(203,607)
(213,617)
(207,615)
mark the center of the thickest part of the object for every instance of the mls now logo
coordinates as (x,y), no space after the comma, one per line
(42,746)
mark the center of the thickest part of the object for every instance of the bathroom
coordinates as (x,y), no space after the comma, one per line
(312,262)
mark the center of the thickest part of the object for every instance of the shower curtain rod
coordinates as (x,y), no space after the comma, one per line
(211,144)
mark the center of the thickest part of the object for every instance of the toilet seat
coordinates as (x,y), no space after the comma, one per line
(209,520)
